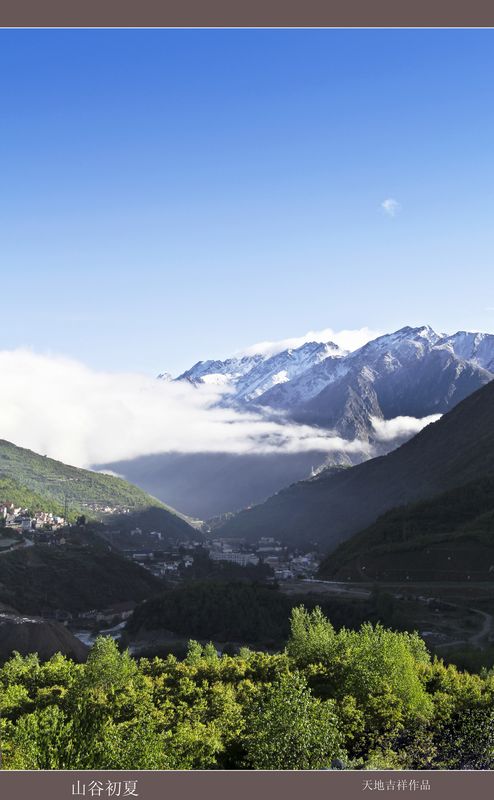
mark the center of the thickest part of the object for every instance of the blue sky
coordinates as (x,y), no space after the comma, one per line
(167,196)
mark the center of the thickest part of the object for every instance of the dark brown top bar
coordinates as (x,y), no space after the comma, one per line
(246,13)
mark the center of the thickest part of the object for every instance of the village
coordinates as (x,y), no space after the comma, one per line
(168,558)
(164,556)
(21,528)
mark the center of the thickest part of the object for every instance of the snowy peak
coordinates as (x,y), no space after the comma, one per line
(252,375)
(405,340)
(284,367)
(471,346)
(221,372)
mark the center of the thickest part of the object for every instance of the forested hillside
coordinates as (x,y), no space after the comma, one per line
(447,537)
(72,578)
(357,699)
(36,482)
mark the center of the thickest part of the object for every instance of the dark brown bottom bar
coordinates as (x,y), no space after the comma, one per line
(244,785)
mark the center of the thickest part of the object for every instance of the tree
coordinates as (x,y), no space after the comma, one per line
(467,741)
(312,637)
(41,740)
(287,728)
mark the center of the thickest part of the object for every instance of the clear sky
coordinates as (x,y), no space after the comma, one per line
(167,196)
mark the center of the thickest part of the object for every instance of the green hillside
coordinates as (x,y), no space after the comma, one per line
(447,537)
(12,491)
(40,483)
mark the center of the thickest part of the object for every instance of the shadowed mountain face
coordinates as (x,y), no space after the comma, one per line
(77,577)
(333,506)
(204,485)
(447,537)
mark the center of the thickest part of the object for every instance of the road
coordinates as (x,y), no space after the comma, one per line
(316,586)
(18,546)
(479,639)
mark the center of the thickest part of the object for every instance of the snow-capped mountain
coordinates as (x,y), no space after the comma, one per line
(252,376)
(475,347)
(284,367)
(221,372)
(410,372)
(390,349)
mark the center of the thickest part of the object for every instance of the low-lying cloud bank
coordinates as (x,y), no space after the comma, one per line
(61,408)
(400,427)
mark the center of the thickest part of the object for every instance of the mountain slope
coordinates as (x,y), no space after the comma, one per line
(333,506)
(26,477)
(75,577)
(450,536)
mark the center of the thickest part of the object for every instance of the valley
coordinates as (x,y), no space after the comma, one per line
(403,538)
(366,402)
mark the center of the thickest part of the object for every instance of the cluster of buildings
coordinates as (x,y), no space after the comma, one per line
(169,558)
(22,520)
(164,557)
(286,563)
(102,508)
(229,550)
(168,567)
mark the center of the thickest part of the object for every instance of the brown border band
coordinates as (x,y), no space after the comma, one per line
(249,13)
(423,785)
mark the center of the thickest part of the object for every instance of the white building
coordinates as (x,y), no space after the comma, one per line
(243,559)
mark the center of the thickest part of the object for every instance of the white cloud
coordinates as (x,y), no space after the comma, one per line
(391,207)
(346,339)
(61,408)
(388,429)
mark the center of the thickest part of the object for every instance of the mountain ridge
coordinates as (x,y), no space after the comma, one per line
(330,508)
(413,371)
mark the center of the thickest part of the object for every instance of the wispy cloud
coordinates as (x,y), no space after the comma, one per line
(399,427)
(346,339)
(391,207)
(61,408)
